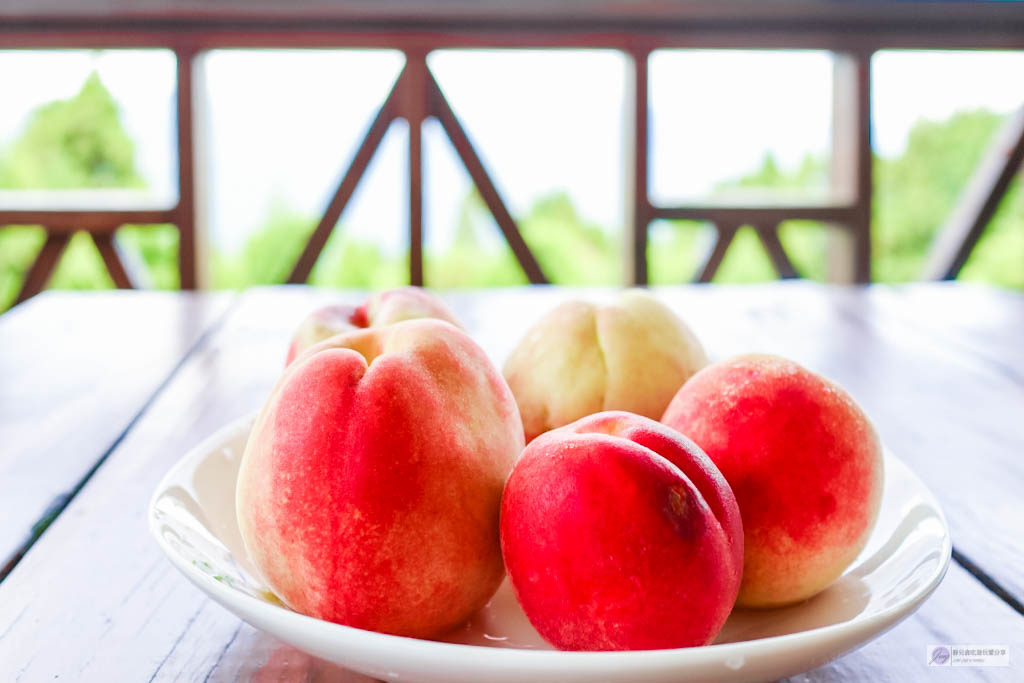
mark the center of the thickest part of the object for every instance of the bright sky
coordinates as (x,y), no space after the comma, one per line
(282,125)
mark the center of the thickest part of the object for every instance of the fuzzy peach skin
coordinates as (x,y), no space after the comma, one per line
(804,462)
(382,308)
(620,534)
(581,358)
(370,487)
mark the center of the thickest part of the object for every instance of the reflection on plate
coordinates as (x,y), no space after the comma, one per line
(192,516)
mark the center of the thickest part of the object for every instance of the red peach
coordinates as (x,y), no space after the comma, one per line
(619,534)
(804,462)
(382,308)
(370,488)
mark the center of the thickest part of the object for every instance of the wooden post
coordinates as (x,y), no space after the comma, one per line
(849,257)
(414,107)
(202,153)
(638,205)
(185,212)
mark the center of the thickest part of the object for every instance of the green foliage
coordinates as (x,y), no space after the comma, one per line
(349,263)
(811,175)
(71,144)
(806,243)
(19,244)
(569,249)
(745,261)
(915,192)
(81,266)
(78,143)
(999,255)
(268,256)
(156,246)
(675,250)
(678,248)
(81,143)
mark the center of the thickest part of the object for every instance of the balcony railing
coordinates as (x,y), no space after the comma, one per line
(852,31)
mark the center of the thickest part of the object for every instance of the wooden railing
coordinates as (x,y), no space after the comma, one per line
(852,31)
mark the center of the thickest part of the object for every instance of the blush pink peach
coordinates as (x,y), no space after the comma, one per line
(370,487)
(804,462)
(382,308)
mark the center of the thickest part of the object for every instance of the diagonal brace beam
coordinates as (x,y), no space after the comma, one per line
(440,108)
(347,187)
(39,273)
(726,233)
(978,203)
(112,260)
(769,237)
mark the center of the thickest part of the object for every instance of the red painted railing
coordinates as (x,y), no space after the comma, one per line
(853,31)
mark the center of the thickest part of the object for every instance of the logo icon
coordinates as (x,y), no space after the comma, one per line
(938,656)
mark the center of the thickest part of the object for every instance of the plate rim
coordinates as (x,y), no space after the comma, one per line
(855,632)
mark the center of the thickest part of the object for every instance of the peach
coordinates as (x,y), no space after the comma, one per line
(382,308)
(620,534)
(804,462)
(370,488)
(580,359)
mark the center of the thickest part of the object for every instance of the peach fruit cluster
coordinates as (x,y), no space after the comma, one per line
(633,493)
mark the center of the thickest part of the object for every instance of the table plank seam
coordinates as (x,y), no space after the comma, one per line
(14,622)
(178,640)
(224,651)
(126,610)
(61,502)
(984,362)
(988,581)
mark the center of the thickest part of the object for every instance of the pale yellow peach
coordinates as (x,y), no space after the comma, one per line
(582,358)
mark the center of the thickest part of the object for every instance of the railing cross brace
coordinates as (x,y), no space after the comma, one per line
(415,97)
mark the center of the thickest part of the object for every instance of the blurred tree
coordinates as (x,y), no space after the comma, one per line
(999,256)
(77,143)
(19,244)
(570,249)
(71,144)
(269,254)
(915,192)
(478,256)
(810,174)
(678,248)
(80,143)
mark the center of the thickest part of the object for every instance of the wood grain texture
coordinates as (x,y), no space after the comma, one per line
(96,581)
(95,600)
(950,16)
(414,105)
(960,612)
(76,369)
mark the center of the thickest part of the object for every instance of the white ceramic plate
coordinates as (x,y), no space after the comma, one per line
(192,515)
